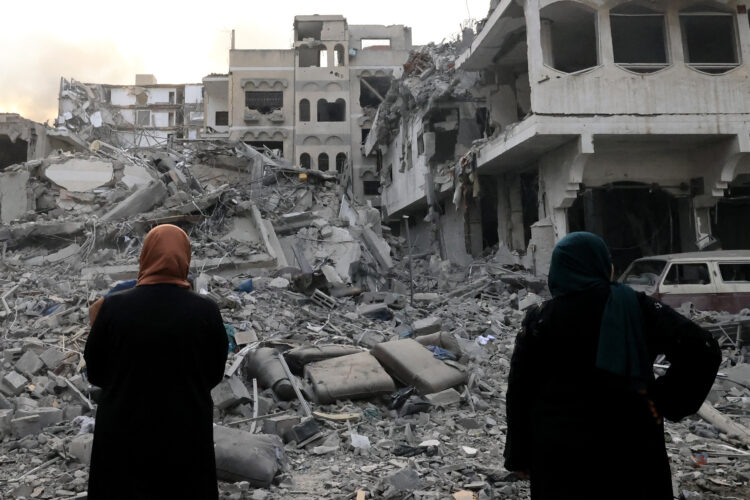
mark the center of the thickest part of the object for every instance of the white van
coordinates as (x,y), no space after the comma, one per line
(712,281)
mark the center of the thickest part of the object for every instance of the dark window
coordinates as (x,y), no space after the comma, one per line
(304,160)
(639,38)
(331,111)
(365,133)
(323,162)
(688,274)
(304,110)
(313,57)
(372,90)
(264,101)
(371,188)
(709,39)
(339,56)
(735,272)
(420,144)
(222,118)
(272,145)
(570,31)
(340,162)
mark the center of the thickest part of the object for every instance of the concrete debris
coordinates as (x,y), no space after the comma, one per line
(407,397)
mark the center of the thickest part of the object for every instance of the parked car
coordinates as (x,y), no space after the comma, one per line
(712,281)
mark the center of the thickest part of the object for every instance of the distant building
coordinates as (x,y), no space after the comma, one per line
(313,103)
(140,115)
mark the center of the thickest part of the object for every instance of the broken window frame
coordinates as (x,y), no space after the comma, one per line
(710,10)
(272,102)
(641,67)
(326,109)
(341,161)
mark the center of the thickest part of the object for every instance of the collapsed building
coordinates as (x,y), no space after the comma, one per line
(623,119)
(141,115)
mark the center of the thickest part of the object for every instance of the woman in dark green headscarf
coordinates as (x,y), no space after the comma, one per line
(584,410)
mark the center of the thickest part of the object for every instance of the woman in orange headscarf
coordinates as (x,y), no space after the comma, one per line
(156,351)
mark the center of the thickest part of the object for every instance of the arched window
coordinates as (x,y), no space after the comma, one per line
(340,162)
(331,111)
(304,110)
(709,38)
(323,162)
(569,36)
(639,38)
(339,56)
(304,160)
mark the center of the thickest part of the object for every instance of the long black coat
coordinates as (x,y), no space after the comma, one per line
(156,351)
(579,432)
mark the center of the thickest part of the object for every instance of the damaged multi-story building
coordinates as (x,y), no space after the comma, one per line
(141,115)
(629,119)
(313,103)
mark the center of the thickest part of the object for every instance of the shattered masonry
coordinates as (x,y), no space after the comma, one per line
(341,383)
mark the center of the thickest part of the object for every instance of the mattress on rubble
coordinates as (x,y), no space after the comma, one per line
(413,364)
(355,376)
(298,357)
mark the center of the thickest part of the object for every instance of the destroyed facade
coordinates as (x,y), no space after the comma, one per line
(626,119)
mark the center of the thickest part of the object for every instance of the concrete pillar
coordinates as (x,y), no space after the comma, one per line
(674,33)
(606,50)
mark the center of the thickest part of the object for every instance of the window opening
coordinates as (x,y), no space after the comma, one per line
(313,57)
(340,162)
(376,44)
(365,133)
(272,145)
(265,102)
(735,272)
(339,56)
(709,39)
(372,90)
(639,38)
(304,110)
(309,30)
(171,98)
(170,119)
(688,274)
(569,36)
(143,117)
(331,111)
(304,161)
(222,118)
(323,162)
(371,188)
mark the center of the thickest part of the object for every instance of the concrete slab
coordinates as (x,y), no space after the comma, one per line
(80,174)
(14,200)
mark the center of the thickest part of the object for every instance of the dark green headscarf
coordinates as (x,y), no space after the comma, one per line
(581,261)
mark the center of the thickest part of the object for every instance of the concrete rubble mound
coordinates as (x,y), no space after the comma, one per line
(343,381)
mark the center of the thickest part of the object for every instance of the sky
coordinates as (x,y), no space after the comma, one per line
(177,41)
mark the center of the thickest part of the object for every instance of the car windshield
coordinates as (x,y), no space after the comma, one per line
(643,273)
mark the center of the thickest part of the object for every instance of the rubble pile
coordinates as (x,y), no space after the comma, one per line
(343,380)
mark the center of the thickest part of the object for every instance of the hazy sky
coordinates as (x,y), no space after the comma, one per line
(178,41)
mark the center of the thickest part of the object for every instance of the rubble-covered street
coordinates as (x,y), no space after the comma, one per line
(296,272)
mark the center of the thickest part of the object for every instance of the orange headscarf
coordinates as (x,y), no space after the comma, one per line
(165,257)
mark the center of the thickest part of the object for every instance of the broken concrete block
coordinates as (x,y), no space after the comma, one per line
(427,326)
(53,358)
(414,364)
(302,432)
(531,299)
(14,198)
(33,422)
(427,297)
(80,174)
(13,383)
(279,283)
(379,311)
(29,364)
(406,479)
(72,411)
(5,403)
(80,448)
(444,398)
(139,202)
(280,425)
(378,248)
(59,256)
(230,392)
(241,456)
(355,376)
(244,338)
(6,416)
